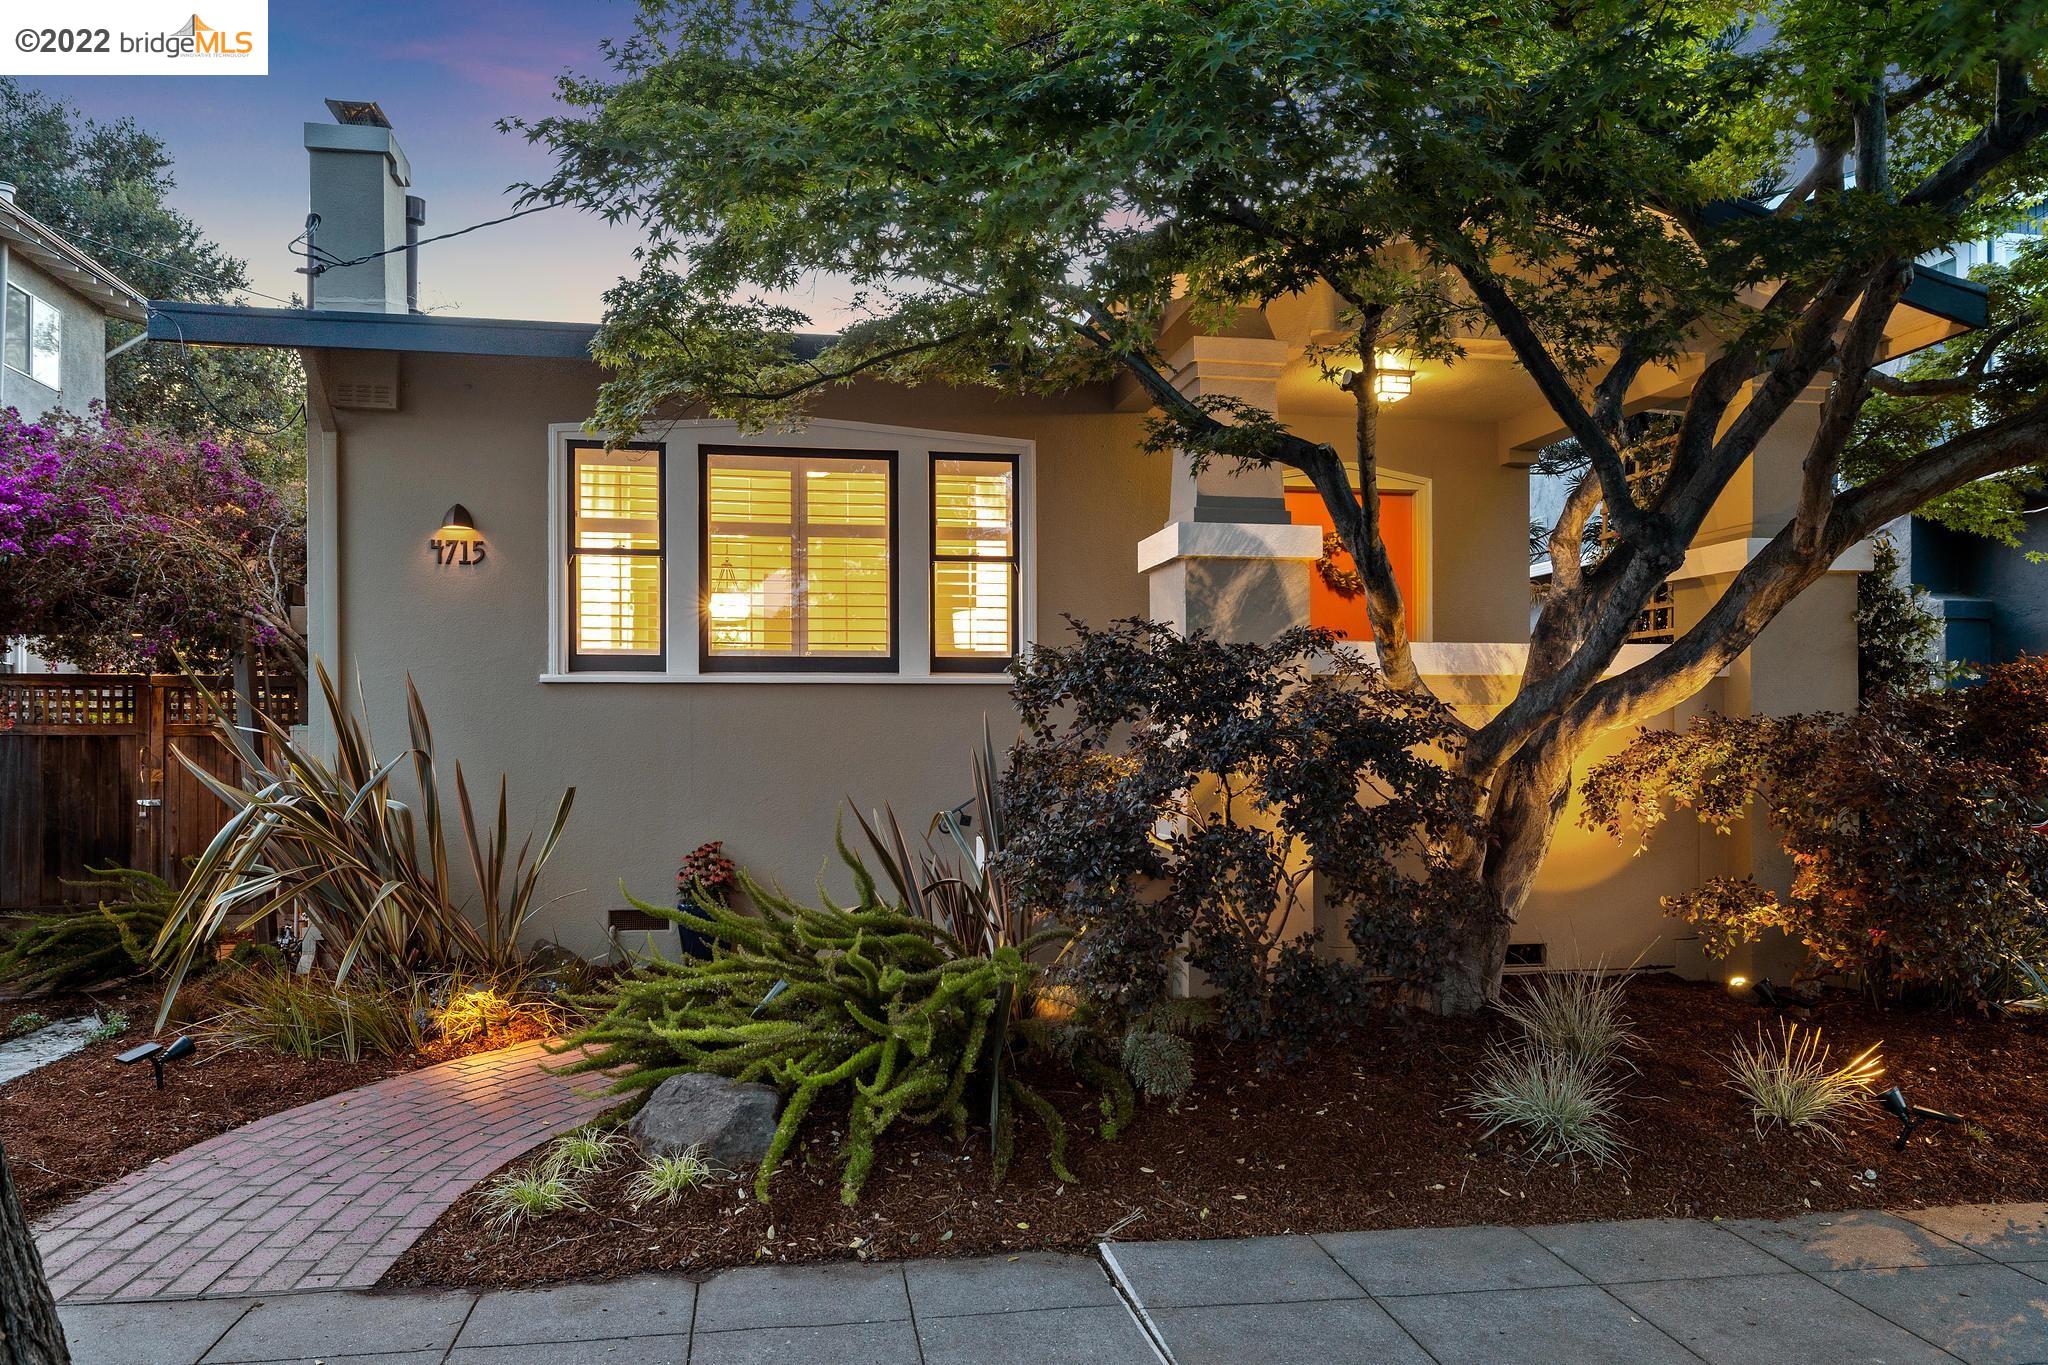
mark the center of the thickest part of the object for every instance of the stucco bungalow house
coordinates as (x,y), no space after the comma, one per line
(715,635)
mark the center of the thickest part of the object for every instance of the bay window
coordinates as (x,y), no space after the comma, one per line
(617,565)
(798,560)
(846,552)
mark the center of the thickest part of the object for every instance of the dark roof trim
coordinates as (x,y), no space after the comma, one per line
(215,324)
(220,324)
(1949,297)
(1963,302)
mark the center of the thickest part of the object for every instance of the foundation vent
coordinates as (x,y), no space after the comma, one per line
(1527,956)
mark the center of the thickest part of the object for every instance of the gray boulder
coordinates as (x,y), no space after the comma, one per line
(732,1123)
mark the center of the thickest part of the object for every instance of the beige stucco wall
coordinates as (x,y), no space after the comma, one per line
(660,767)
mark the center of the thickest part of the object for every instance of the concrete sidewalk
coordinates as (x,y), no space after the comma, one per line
(1961,1284)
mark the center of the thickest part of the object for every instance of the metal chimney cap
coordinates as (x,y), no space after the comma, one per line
(358,113)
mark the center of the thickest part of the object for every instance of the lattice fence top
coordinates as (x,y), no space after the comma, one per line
(71,700)
(94,701)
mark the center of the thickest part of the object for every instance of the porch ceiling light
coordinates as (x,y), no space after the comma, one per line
(1391,382)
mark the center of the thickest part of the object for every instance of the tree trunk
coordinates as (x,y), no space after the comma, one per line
(1528,799)
(29,1331)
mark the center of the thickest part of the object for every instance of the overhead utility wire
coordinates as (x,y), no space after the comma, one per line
(182,270)
(326,260)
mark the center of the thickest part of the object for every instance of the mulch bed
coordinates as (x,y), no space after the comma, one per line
(1367,1135)
(84,1121)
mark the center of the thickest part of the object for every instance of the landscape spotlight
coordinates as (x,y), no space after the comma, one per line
(1910,1116)
(156,1054)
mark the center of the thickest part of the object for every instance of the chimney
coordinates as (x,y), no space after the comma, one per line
(6,191)
(415,219)
(359,178)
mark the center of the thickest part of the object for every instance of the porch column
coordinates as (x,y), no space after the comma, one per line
(1228,561)
(1803,661)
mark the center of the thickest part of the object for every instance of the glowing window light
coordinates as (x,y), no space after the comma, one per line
(974,562)
(802,548)
(616,557)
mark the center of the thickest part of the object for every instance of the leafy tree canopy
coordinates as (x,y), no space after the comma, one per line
(105,186)
(1016,191)
(1020,194)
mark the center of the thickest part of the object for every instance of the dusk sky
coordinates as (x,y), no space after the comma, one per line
(444,72)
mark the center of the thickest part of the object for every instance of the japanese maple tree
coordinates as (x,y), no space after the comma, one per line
(1018,190)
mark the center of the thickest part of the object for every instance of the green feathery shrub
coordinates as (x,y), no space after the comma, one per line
(87,944)
(865,1001)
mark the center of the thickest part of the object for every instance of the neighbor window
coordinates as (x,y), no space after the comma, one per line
(616,564)
(798,561)
(35,338)
(974,563)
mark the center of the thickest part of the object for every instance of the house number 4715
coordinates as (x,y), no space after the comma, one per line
(463,552)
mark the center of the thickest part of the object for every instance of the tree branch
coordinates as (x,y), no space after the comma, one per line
(1362,534)
(1782,570)
(1628,520)
(2019,120)
(1824,174)
(1845,399)
(1968,381)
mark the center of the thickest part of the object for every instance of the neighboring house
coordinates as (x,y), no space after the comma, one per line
(53,332)
(717,635)
(1992,599)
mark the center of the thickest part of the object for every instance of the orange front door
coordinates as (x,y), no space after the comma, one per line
(1397,527)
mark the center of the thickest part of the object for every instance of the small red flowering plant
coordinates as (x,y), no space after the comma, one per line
(706,866)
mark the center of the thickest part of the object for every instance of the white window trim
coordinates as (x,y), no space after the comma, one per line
(913,447)
(35,301)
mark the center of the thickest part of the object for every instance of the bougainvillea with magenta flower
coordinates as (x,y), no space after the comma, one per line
(124,549)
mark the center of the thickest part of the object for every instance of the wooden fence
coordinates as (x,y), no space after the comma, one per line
(88,776)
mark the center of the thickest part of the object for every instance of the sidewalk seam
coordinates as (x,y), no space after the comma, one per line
(1127,1293)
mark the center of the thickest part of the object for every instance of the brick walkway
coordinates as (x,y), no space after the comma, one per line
(324,1196)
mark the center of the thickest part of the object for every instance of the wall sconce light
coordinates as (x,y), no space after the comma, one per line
(1390,382)
(457,542)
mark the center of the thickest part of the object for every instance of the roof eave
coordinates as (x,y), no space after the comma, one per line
(74,269)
